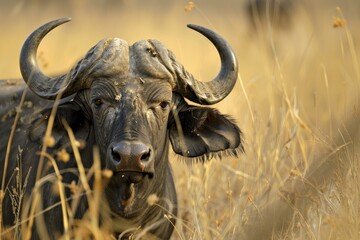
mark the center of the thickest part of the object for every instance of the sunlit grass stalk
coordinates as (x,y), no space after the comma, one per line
(246,99)
(203,15)
(61,193)
(93,195)
(326,81)
(76,197)
(17,194)
(26,218)
(97,190)
(7,155)
(277,150)
(351,46)
(77,156)
(47,141)
(35,200)
(174,226)
(30,217)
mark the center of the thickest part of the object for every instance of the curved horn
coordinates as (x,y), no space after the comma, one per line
(38,82)
(214,91)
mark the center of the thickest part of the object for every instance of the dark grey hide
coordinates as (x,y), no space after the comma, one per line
(128,101)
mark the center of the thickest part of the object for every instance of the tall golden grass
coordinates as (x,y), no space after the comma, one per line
(297,102)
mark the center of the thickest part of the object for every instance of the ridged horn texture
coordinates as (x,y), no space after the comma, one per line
(111,56)
(207,93)
(38,82)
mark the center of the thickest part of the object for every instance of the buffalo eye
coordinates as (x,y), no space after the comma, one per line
(164,104)
(98,102)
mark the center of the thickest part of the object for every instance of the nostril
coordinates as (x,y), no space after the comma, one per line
(115,155)
(145,156)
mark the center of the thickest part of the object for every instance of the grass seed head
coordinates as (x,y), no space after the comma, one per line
(81,144)
(63,155)
(152,199)
(190,5)
(338,22)
(49,141)
(295,173)
(107,173)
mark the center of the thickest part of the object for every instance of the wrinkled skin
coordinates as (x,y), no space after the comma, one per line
(126,113)
(131,106)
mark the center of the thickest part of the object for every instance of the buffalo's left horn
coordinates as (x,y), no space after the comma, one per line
(214,91)
(38,82)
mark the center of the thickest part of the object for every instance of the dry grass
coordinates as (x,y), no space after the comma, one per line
(297,102)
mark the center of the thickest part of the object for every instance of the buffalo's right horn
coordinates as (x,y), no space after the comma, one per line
(38,82)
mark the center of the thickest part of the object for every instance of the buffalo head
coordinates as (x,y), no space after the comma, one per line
(129,100)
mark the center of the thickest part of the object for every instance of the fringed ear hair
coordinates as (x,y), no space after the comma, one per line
(200,133)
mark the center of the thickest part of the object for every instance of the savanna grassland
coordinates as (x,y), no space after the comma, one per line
(296,101)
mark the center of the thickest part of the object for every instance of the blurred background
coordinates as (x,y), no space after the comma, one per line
(297,100)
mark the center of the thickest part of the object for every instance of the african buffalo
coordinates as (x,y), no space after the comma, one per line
(128,100)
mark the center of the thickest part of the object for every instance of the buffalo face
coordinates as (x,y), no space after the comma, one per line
(130,121)
(130,118)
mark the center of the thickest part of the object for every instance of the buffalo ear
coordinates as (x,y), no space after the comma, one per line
(202,133)
(72,114)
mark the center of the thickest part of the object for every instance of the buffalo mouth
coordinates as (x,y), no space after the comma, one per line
(123,190)
(128,177)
